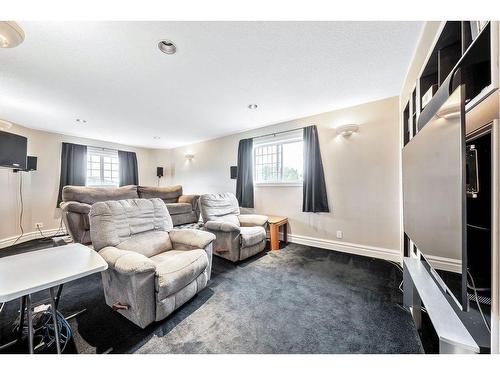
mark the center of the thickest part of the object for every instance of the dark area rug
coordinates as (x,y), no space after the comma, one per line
(295,300)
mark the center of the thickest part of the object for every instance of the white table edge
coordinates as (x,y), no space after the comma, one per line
(39,288)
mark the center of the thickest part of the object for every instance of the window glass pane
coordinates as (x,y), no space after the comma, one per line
(279,162)
(293,161)
(101,169)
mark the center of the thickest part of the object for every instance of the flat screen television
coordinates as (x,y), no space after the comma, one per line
(13,150)
(434,194)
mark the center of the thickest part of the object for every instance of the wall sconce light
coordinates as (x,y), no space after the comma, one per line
(347,130)
(11,35)
(5,125)
(189,157)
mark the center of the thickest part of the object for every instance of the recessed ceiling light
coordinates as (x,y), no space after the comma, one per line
(156,137)
(81,121)
(252,106)
(11,35)
(167,46)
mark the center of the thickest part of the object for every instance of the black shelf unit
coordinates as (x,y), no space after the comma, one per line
(443,58)
(474,69)
(457,51)
(406,124)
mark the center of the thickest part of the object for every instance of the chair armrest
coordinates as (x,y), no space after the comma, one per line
(221,226)
(252,220)
(72,206)
(127,262)
(191,237)
(191,199)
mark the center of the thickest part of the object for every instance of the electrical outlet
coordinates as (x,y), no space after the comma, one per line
(38,225)
(340,234)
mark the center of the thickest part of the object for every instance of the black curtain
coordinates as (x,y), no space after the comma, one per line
(314,197)
(129,174)
(244,180)
(73,167)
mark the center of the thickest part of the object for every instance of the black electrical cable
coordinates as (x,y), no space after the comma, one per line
(478,303)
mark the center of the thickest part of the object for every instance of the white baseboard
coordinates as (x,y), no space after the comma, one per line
(346,247)
(445,264)
(9,241)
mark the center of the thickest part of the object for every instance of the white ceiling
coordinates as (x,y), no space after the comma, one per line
(113,75)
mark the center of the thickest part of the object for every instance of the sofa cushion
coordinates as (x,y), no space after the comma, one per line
(179,208)
(113,222)
(177,268)
(220,207)
(91,195)
(252,236)
(169,194)
(148,243)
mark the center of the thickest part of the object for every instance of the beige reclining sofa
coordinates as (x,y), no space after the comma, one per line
(77,201)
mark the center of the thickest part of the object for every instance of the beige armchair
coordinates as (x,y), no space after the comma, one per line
(153,268)
(238,236)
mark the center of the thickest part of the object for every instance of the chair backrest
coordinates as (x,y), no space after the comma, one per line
(169,194)
(91,195)
(220,207)
(113,222)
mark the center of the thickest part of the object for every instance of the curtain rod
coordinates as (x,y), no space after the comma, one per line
(102,148)
(274,134)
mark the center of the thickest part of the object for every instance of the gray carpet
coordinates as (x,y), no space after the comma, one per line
(296,300)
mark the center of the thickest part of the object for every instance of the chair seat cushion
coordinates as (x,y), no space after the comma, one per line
(177,268)
(179,208)
(252,236)
(147,243)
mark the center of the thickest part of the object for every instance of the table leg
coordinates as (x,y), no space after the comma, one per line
(54,318)
(275,237)
(30,323)
(58,296)
(285,233)
(21,317)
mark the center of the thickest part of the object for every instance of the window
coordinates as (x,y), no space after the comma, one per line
(279,159)
(102,167)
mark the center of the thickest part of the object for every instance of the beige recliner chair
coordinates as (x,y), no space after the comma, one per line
(153,268)
(238,236)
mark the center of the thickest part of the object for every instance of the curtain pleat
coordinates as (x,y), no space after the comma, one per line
(314,198)
(73,167)
(244,180)
(129,173)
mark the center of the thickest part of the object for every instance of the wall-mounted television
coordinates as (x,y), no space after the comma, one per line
(13,150)
(434,194)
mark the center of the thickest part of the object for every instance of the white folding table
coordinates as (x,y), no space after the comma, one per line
(24,274)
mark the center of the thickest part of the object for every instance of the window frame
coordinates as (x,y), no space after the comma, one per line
(277,140)
(102,153)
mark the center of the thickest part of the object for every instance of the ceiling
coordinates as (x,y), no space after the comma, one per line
(112,75)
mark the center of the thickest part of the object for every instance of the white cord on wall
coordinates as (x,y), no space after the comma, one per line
(22,208)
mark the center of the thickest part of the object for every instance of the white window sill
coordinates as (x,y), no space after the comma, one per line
(278,184)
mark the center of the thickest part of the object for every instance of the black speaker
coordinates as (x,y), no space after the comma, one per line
(31,162)
(159,172)
(234,172)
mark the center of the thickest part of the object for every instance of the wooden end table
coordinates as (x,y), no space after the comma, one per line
(275,222)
